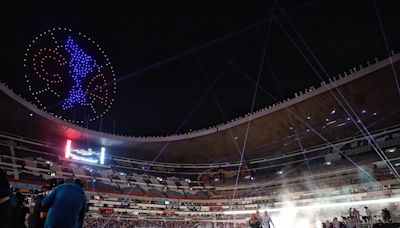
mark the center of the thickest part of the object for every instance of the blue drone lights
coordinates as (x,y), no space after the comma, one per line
(80,64)
(69,75)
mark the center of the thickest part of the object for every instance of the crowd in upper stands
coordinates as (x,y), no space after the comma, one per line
(123,177)
(120,180)
(100,179)
(66,203)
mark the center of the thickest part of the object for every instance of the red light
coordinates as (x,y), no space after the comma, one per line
(68,148)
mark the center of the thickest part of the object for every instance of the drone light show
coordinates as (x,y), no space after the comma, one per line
(85,155)
(69,75)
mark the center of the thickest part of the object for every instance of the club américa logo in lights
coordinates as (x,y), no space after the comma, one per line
(69,75)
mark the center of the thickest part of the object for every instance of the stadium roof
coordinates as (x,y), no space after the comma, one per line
(186,66)
(366,95)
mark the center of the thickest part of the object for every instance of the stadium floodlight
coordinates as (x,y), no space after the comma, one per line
(391,150)
(102,155)
(68,148)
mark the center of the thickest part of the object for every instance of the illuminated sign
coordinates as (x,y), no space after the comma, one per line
(85,155)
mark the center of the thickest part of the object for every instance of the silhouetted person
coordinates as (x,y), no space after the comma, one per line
(35,220)
(335,223)
(5,192)
(348,222)
(368,217)
(266,220)
(386,215)
(254,222)
(258,216)
(19,212)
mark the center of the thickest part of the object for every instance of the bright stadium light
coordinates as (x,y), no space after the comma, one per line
(390,150)
(102,155)
(328,163)
(68,148)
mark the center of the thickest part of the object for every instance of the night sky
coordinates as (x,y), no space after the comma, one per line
(188,65)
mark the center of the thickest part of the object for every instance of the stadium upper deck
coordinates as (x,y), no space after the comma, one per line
(366,94)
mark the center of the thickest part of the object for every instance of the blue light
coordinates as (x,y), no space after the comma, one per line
(72,70)
(80,65)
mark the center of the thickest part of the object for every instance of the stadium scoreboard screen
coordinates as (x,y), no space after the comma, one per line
(85,155)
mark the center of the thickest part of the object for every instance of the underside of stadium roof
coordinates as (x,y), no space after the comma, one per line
(366,96)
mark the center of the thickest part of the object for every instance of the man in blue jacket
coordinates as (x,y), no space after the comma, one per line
(67,205)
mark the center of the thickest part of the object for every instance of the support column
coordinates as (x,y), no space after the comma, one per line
(15,170)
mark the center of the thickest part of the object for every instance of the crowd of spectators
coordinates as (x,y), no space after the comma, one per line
(356,219)
(63,206)
(125,223)
(50,209)
(123,182)
(65,203)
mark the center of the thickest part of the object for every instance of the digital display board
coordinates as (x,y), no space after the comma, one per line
(85,155)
